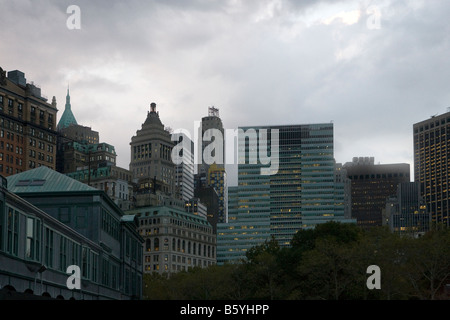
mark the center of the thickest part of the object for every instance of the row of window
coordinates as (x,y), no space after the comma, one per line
(9,108)
(27,237)
(178,264)
(179,245)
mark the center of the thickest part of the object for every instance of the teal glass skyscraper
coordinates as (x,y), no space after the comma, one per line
(299,194)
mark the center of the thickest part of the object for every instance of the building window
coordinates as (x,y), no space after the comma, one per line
(49,247)
(85,263)
(32,241)
(13,231)
(63,254)
(94,264)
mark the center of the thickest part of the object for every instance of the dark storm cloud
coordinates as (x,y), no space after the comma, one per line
(259,62)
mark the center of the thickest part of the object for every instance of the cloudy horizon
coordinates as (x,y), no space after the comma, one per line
(373,68)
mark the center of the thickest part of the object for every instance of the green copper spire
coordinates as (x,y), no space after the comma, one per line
(67,117)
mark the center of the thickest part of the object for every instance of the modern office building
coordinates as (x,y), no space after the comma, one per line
(432,165)
(406,212)
(27,125)
(299,192)
(196,207)
(371,185)
(209,197)
(343,191)
(175,240)
(84,228)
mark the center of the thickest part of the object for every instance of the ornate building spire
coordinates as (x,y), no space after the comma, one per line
(67,117)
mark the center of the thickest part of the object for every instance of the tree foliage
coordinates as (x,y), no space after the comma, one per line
(328,262)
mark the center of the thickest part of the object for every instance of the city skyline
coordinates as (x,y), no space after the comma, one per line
(373,68)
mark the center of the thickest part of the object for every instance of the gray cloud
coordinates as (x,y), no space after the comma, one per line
(259,62)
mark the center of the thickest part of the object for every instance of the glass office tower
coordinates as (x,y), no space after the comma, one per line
(300,191)
(432,165)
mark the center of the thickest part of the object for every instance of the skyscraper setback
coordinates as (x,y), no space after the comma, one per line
(432,164)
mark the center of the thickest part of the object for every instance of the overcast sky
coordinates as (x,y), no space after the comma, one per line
(373,68)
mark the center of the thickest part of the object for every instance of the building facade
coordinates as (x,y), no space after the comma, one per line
(175,240)
(300,194)
(406,213)
(27,125)
(151,150)
(95,217)
(432,165)
(371,185)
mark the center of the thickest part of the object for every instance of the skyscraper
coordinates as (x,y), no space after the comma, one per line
(213,174)
(300,194)
(209,123)
(173,224)
(406,213)
(371,185)
(432,164)
(151,164)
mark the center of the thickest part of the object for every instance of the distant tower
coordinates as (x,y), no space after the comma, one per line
(212,121)
(151,162)
(67,117)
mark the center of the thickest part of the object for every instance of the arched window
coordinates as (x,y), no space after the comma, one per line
(148,245)
(156,244)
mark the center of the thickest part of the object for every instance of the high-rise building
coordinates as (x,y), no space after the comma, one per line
(184,172)
(217,178)
(208,125)
(406,212)
(299,193)
(151,164)
(213,174)
(371,185)
(432,165)
(27,125)
(173,224)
